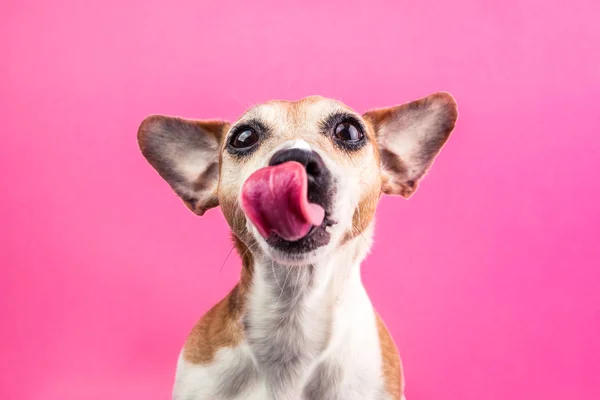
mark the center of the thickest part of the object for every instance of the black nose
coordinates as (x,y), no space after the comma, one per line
(312,161)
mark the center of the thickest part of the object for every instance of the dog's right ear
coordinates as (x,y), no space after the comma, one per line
(186,154)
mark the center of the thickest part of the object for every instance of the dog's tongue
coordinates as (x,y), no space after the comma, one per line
(275,199)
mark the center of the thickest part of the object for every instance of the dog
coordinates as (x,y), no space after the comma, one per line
(298,183)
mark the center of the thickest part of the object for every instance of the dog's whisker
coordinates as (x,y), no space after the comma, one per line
(226,258)
(243,104)
(274,274)
(248,249)
(297,283)
(297,280)
(283,287)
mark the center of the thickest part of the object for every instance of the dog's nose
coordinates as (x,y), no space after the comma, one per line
(312,161)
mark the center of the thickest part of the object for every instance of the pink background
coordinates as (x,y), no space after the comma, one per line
(488,277)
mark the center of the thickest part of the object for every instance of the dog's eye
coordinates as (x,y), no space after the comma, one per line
(244,139)
(348,132)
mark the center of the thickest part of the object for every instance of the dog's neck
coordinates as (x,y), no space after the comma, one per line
(293,313)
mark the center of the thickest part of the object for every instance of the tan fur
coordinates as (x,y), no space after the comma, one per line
(363,214)
(221,326)
(218,328)
(392,367)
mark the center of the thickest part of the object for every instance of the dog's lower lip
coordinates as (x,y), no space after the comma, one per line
(318,236)
(327,222)
(311,231)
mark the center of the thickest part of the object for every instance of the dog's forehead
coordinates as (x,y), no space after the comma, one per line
(307,111)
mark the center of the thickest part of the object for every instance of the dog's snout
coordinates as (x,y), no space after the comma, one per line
(320,182)
(311,160)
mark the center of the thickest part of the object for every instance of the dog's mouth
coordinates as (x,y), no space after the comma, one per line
(316,237)
(288,207)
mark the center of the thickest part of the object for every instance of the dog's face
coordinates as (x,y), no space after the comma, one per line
(282,158)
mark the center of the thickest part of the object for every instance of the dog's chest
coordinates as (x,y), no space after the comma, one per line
(232,376)
(287,335)
(295,347)
(291,361)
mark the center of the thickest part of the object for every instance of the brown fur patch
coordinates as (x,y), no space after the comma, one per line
(363,214)
(234,216)
(247,267)
(218,328)
(222,325)
(392,367)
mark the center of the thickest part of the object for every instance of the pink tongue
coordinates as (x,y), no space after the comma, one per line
(275,199)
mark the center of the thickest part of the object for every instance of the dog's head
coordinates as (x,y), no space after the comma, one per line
(299,178)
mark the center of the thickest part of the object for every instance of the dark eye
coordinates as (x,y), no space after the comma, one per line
(348,132)
(244,139)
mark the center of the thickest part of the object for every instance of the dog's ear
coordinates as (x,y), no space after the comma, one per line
(186,154)
(409,137)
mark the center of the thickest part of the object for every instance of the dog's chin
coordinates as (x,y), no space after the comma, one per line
(305,251)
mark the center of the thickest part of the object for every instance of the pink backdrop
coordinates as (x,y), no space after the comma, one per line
(488,277)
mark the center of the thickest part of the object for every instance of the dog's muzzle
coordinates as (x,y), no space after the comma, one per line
(320,191)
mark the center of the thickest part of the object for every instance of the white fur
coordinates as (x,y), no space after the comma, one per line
(198,382)
(336,305)
(300,144)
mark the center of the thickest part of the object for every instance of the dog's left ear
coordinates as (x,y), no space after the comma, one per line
(410,136)
(186,154)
